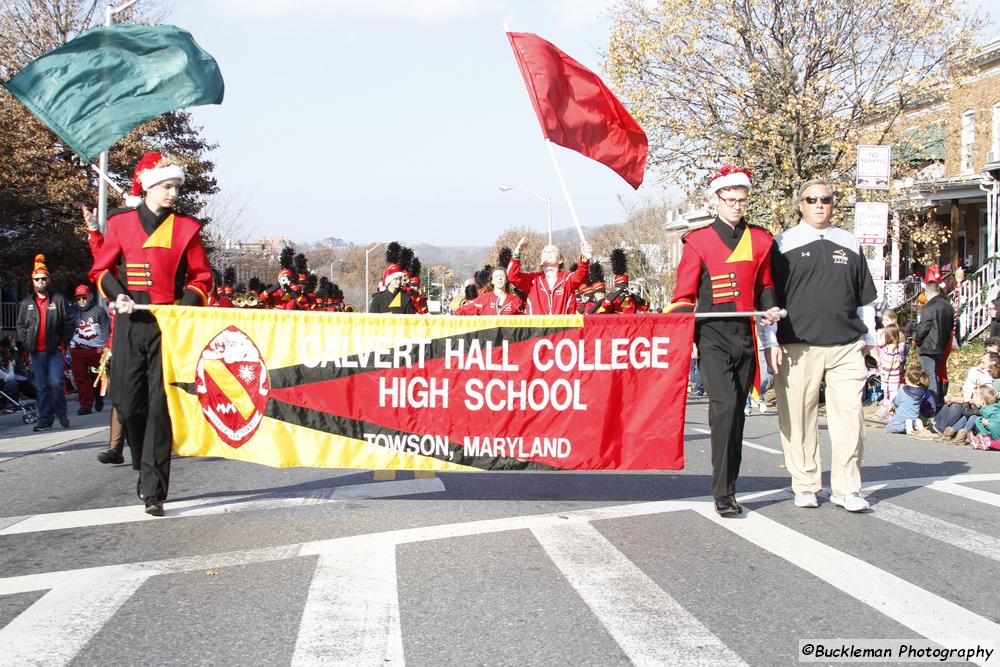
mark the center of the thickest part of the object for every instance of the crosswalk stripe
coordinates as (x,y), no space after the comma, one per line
(938,529)
(927,614)
(55,628)
(188,508)
(746,443)
(351,615)
(966,492)
(649,625)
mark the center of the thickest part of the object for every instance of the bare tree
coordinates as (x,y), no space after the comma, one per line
(787,88)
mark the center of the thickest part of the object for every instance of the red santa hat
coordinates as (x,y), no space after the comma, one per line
(730,176)
(148,172)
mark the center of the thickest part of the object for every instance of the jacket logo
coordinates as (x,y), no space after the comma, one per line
(806,254)
(839,256)
(232,385)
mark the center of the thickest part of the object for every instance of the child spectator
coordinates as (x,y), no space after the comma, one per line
(888,318)
(890,364)
(962,416)
(982,375)
(910,402)
(987,425)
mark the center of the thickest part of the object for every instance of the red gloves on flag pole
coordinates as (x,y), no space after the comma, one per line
(576,109)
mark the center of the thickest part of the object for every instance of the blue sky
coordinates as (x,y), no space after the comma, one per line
(373,120)
(393,120)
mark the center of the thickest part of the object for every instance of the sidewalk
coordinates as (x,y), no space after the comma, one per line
(18,439)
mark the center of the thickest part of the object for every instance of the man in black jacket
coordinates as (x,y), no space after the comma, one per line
(933,335)
(44,327)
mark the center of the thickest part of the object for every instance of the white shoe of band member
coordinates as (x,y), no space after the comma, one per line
(852,502)
(909,426)
(918,426)
(806,499)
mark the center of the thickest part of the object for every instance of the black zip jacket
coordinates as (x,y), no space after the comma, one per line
(59,324)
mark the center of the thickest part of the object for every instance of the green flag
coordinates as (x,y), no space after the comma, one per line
(94,90)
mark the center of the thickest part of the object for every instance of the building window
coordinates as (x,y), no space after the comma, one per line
(968,141)
(996,133)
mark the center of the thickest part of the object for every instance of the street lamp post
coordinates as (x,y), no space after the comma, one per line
(547,200)
(368,252)
(102,160)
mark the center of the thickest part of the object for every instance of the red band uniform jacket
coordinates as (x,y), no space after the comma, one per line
(560,299)
(158,259)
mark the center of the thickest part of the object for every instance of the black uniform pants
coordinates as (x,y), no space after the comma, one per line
(137,393)
(727,364)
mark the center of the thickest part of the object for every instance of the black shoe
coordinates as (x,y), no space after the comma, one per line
(154,508)
(111,456)
(42,427)
(727,506)
(84,411)
(138,489)
(99,403)
(64,421)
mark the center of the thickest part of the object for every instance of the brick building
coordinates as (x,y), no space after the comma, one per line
(954,143)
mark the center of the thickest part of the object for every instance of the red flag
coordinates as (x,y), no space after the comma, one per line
(576,109)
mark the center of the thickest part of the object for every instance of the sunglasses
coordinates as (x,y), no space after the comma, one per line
(81,298)
(41,279)
(823,200)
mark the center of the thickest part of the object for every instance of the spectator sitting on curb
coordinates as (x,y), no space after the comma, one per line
(911,402)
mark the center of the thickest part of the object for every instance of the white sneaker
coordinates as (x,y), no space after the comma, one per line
(806,499)
(918,426)
(852,502)
(908,426)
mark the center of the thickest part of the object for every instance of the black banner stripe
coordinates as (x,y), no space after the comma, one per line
(291,376)
(355,428)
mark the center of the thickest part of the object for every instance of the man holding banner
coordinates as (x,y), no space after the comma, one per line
(725,268)
(823,279)
(160,259)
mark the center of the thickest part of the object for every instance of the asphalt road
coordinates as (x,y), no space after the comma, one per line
(263,566)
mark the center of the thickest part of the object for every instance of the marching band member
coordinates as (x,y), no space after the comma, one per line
(725,267)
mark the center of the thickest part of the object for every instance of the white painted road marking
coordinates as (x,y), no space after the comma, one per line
(35,443)
(746,443)
(103,589)
(647,623)
(187,508)
(351,614)
(927,614)
(986,546)
(966,492)
(54,629)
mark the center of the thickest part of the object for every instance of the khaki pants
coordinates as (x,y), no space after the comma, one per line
(797,385)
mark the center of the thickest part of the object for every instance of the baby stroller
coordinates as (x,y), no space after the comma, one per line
(28,409)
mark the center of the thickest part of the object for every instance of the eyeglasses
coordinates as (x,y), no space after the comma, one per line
(735,203)
(40,279)
(823,200)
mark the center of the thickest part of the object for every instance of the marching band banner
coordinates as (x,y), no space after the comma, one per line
(347,390)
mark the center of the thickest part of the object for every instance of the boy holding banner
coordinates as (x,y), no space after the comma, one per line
(161,260)
(725,267)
